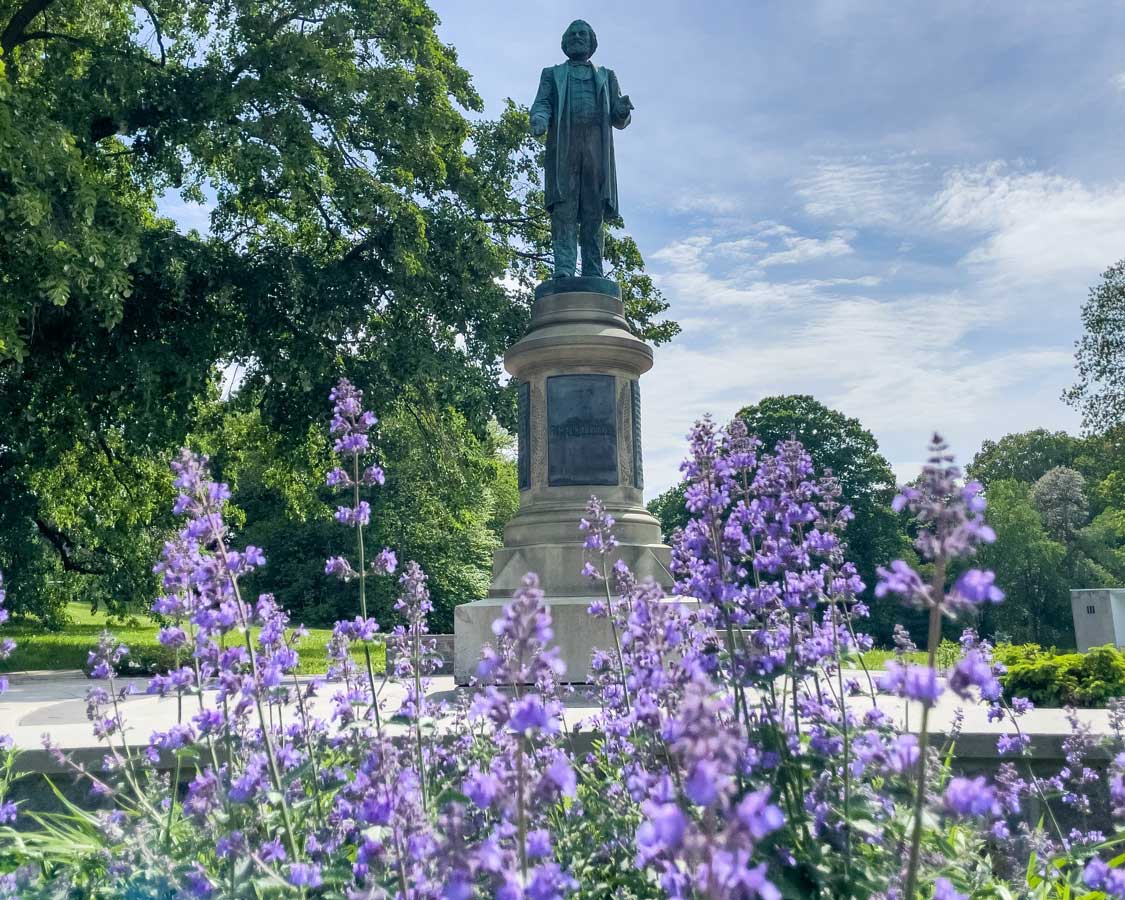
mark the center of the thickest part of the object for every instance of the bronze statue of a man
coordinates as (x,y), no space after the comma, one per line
(576,106)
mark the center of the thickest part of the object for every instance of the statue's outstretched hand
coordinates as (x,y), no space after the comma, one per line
(624,103)
(538,127)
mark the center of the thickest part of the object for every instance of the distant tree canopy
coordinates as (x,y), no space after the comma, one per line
(360,224)
(1058,511)
(1025,456)
(841,444)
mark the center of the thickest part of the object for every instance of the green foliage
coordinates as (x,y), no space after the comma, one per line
(1048,678)
(947,654)
(447,496)
(1028,563)
(596,846)
(1042,488)
(1059,497)
(1025,456)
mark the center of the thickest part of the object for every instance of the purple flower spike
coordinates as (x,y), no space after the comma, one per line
(943,890)
(385,562)
(913,682)
(976,587)
(971,797)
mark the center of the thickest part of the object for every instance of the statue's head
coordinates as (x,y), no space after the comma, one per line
(579,41)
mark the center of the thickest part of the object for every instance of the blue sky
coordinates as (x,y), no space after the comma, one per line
(897,207)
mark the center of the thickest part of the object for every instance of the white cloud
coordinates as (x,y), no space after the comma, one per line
(713,204)
(740,248)
(1036,226)
(804,249)
(901,367)
(1118,82)
(686,254)
(865,193)
(971,358)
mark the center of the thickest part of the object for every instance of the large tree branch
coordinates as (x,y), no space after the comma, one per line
(65,547)
(17,25)
(86,44)
(147,7)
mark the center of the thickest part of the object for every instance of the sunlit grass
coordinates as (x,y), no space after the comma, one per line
(877,659)
(68,649)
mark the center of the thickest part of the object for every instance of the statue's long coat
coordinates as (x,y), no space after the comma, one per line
(550,103)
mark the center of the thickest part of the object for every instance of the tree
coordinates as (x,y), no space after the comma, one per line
(361,224)
(1025,456)
(1060,498)
(1028,565)
(446,497)
(1099,391)
(841,444)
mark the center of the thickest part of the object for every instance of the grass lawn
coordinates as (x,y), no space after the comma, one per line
(877,659)
(68,648)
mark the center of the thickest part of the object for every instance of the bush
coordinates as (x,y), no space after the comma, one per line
(1048,678)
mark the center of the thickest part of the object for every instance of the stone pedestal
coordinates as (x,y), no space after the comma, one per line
(578,373)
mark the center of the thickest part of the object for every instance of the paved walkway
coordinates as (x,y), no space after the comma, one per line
(54,703)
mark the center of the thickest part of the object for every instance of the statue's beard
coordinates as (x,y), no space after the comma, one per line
(577,55)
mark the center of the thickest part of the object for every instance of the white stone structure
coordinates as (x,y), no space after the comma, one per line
(577,370)
(1099,617)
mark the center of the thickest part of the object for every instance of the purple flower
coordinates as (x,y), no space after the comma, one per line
(373,475)
(529,714)
(481,788)
(943,890)
(340,567)
(704,783)
(913,682)
(1012,743)
(171,636)
(971,797)
(304,875)
(975,587)
(561,773)
(901,579)
(973,670)
(358,515)
(1101,877)
(197,883)
(903,754)
(758,816)
(662,831)
(539,843)
(385,562)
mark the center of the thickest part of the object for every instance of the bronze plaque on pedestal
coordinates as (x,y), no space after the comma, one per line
(581,430)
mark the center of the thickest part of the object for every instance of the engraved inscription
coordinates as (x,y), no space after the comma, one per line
(523,408)
(581,430)
(638,470)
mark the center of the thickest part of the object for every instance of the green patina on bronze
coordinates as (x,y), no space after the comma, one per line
(578,106)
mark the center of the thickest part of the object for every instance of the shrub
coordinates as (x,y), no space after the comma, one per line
(1048,678)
